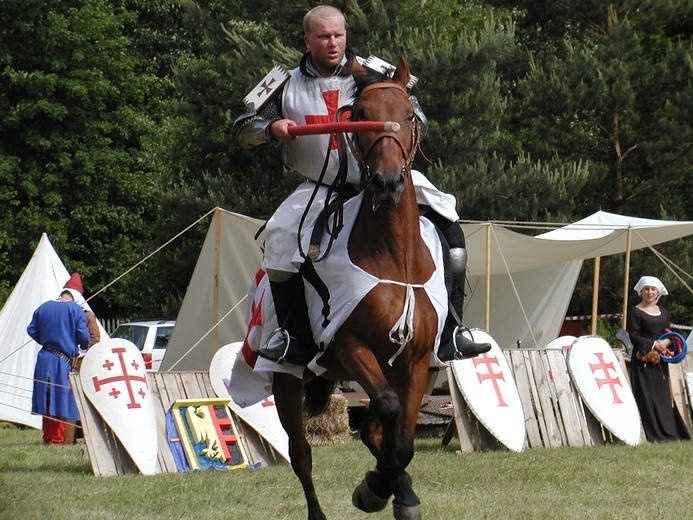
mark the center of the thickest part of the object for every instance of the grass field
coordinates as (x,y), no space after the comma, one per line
(652,481)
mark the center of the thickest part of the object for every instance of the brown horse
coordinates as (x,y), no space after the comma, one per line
(390,247)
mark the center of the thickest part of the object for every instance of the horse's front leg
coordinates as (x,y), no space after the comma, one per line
(406,504)
(288,397)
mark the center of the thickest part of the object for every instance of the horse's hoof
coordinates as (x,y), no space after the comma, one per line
(367,501)
(401,512)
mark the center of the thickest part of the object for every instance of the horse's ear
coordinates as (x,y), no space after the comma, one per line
(357,70)
(401,74)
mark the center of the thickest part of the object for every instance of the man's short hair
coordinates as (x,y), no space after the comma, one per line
(321,11)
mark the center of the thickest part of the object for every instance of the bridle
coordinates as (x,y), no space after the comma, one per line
(362,156)
(334,209)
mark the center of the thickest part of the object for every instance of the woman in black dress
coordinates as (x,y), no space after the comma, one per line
(650,378)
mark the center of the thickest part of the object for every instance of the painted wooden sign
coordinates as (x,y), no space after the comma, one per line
(208,434)
(262,416)
(604,388)
(489,388)
(114,380)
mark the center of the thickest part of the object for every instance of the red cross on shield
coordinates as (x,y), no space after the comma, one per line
(603,387)
(114,380)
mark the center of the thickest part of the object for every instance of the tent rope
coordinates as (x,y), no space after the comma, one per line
(207,334)
(152,254)
(512,282)
(668,263)
(125,273)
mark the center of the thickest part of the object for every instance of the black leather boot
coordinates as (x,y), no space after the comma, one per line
(453,344)
(293,340)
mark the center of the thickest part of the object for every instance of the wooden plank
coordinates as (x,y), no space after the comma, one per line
(164,459)
(568,408)
(519,369)
(580,408)
(544,390)
(460,414)
(553,393)
(536,404)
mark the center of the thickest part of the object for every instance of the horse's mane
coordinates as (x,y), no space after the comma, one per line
(368,79)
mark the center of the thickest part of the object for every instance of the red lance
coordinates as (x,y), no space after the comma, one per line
(342,127)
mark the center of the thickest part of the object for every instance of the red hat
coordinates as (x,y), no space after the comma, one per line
(75,282)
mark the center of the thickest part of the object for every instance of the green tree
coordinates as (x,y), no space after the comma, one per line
(74,113)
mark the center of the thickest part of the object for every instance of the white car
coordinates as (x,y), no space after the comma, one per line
(150,336)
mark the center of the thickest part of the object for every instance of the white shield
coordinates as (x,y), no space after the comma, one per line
(561,342)
(261,417)
(115,382)
(489,388)
(604,388)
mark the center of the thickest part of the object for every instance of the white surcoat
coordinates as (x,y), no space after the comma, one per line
(315,100)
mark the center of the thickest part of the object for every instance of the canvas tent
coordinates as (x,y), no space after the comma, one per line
(213,310)
(519,285)
(42,279)
(532,279)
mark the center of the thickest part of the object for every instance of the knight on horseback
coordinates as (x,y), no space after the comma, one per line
(312,93)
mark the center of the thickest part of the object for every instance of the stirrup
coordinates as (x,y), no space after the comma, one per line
(472,349)
(277,346)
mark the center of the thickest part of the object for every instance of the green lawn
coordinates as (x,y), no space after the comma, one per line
(613,482)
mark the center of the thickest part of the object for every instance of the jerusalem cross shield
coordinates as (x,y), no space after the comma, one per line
(115,382)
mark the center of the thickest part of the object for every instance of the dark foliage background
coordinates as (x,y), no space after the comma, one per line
(115,120)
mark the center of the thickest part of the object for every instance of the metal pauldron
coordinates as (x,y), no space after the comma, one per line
(251,132)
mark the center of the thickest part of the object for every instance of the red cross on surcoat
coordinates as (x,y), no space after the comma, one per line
(607,380)
(331,98)
(249,354)
(489,361)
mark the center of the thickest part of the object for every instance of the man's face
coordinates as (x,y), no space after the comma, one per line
(326,40)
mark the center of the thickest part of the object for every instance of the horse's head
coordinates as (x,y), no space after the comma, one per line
(385,157)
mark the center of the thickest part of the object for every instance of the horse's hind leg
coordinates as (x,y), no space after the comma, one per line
(288,395)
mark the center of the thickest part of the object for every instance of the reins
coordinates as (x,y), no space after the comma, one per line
(331,219)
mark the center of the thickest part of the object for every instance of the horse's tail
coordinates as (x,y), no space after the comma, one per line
(317,395)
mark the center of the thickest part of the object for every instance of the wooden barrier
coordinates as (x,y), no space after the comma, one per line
(554,412)
(107,455)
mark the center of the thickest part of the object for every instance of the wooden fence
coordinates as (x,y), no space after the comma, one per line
(109,457)
(555,414)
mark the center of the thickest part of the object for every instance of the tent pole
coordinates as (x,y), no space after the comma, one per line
(595,294)
(214,337)
(626,280)
(487,305)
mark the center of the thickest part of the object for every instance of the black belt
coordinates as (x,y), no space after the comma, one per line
(59,353)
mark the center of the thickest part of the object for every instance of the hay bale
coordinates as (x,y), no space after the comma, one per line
(330,427)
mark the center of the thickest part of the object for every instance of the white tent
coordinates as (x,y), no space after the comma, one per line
(520,285)
(535,276)
(42,279)
(213,310)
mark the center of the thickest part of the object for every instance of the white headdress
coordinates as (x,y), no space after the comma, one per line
(651,281)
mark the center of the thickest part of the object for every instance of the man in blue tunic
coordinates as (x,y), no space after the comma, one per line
(60,327)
